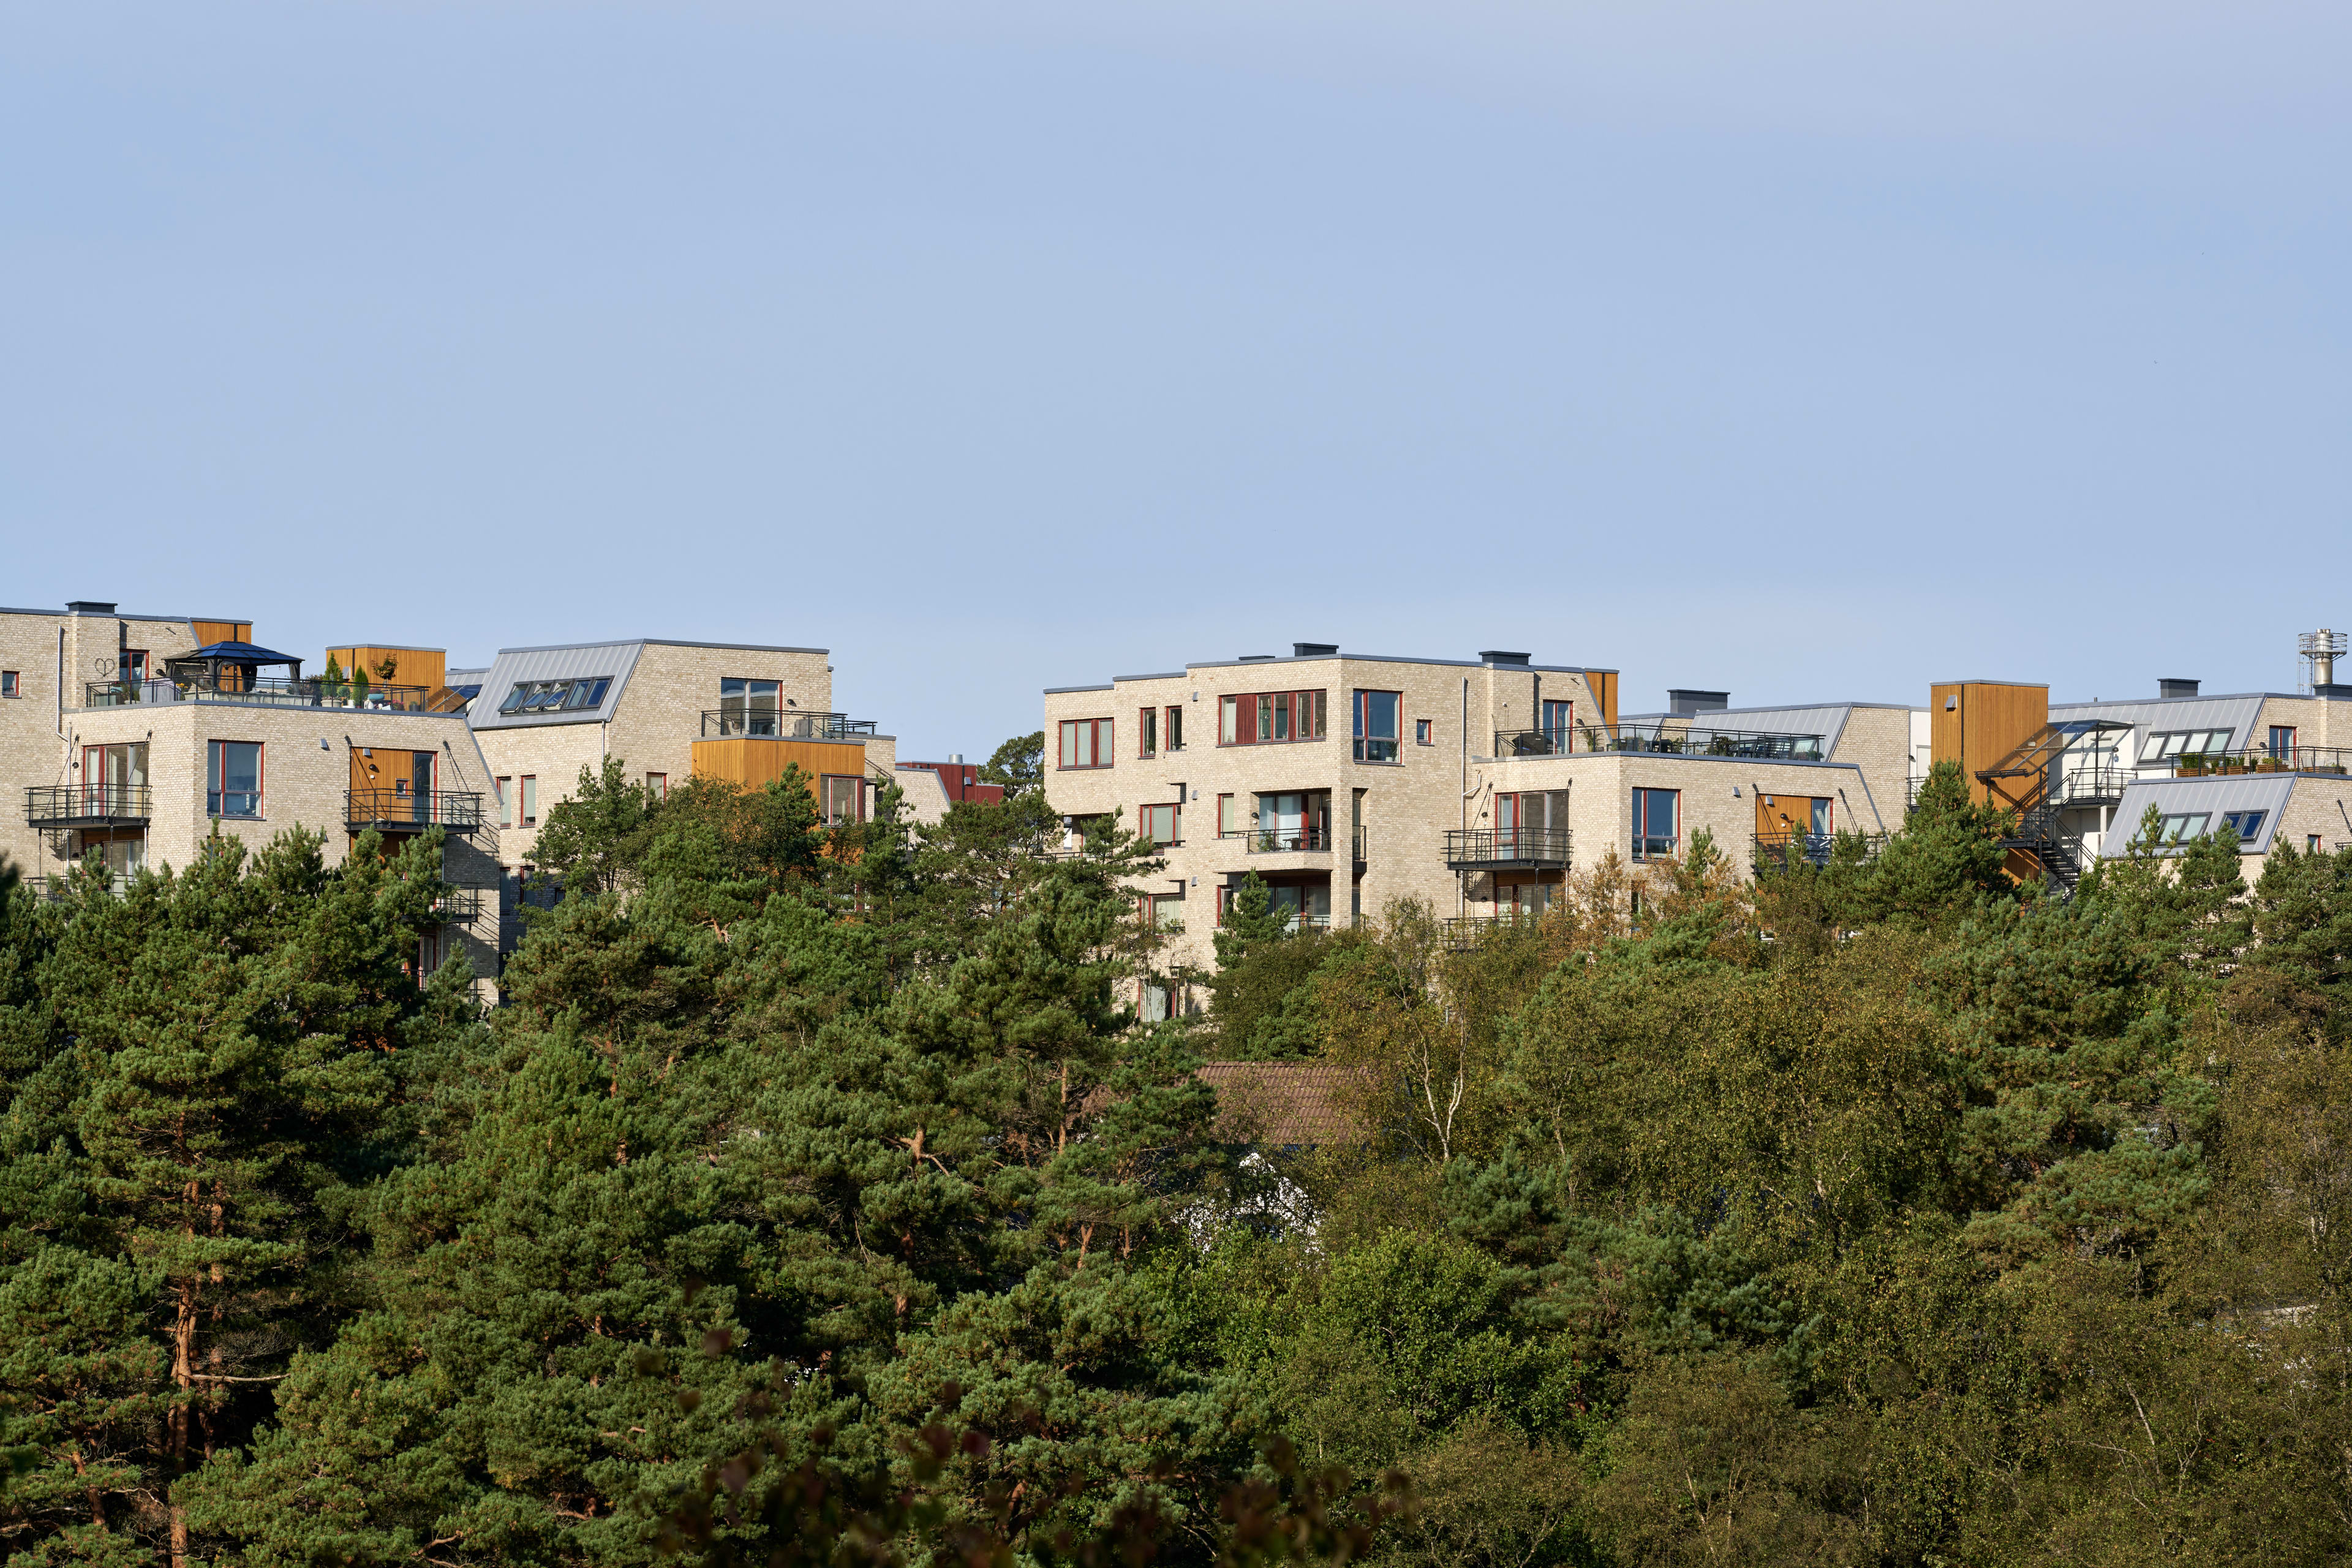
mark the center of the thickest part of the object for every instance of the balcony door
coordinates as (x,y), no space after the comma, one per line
(111,778)
(747,707)
(417,787)
(1295,819)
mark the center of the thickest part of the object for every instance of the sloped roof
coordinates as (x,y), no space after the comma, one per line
(2237,714)
(1284,1104)
(515,666)
(2265,793)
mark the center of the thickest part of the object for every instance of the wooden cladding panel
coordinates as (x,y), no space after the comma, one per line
(425,667)
(1778,816)
(1604,691)
(210,632)
(756,761)
(1976,723)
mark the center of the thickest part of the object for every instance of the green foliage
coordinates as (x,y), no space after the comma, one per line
(1018,766)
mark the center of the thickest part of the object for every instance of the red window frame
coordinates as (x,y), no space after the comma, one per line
(260,777)
(1175,808)
(1644,798)
(1172,740)
(1147,732)
(1274,718)
(527,800)
(857,797)
(1100,740)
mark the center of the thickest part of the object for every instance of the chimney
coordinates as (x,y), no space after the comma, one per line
(1684,704)
(1492,655)
(2176,687)
(1313,649)
(89,607)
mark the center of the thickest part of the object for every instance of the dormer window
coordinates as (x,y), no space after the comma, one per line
(556,696)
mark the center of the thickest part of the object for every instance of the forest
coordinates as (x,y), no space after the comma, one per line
(812,1195)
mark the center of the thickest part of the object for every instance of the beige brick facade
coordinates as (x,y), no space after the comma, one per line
(1397,811)
(307,771)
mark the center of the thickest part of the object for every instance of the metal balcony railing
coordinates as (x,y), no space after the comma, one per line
(1498,848)
(461,905)
(1783,850)
(783,724)
(1669,737)
(262,690)
(2090,787)
(1284,841)
(87,805)
(2264,760)
(1462,932)
(411,811)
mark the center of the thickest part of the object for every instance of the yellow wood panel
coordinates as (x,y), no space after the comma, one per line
(1604,691)
(1779,816)
(755,761)
(210,632)
(425,667)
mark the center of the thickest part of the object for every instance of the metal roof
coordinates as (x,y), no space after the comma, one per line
(515,667)
(2265,793)
(2237,714)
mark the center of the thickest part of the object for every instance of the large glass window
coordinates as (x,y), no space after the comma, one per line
(114,780)
(1086,744)
(2282,740)
(1657,823)
(556,696)
(748,707)
(843,798)
(2177,826)
(1376,725)
(2246,825)
(232,778)
(2166,744)
(1559,724)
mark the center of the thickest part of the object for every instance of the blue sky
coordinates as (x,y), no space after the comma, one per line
(1808,351)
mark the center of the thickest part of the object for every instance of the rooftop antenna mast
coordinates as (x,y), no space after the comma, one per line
(2320,650)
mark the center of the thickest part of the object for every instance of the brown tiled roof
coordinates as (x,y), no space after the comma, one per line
(1284,1104)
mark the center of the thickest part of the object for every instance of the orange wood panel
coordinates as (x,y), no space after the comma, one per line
(1977,723)
(425,667)
(756,761)
(1779,816)
(1604,691)
(210,632)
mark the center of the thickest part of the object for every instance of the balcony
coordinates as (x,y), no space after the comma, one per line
(783,724)
(2090,787)
(2264,760)
(407,811)
(1464,932)
(460,905)
(1780,851)
(1505,848)
(1670,737)
(262,691)
(87,805)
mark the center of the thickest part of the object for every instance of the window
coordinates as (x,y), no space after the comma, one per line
(1175,728)
(842,797)
(1162,824)
(2311,843)
(1167,911)
(505,789)
(232,778)
(1086,744)
(1231,817)
(1822,816)
(134,665)
(2164,746)
(657,786)
(1655,823)
(8,684)
(1260,718)
(556,696)
(1376,725)
(2179,824)
(530,800)
(2281,740)
(114,780)
(2246,825)
(1148,733)
(1421,728)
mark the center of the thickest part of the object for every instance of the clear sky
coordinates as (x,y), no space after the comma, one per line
(1807,350)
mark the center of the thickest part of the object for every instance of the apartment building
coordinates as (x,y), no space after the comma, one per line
(136,738)
(1347,782)
(2082,775)
(668,710)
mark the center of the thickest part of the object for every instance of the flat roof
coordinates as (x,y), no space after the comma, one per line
(662,642)
(1334,658)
